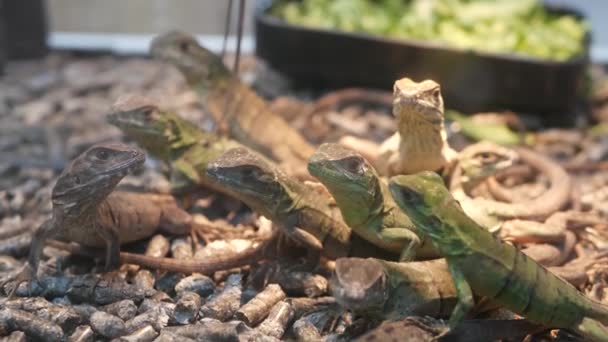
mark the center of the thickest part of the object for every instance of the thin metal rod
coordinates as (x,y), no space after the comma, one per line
(239,35)
(226,28)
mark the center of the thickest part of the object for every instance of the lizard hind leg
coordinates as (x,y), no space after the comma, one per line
(593,330)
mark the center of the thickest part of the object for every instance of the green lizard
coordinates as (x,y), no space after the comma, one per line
(481,263)
(303,214)
(366,205)
(389,290)
(167,136)
(393,290)
(233,104)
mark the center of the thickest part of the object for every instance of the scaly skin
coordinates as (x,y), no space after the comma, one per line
(491,213)
(233,104)
(479,262)
(169,137)
(366,205)
(420,142)
(394,290)
(286,201)
(301,212)
(80,199)
(86,211)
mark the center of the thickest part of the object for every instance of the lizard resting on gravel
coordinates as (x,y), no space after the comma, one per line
(366,205)
(247,117)
(491,213)
(420,142)
(167,136)
(87,211)
(480,263)
(393,290)
(304,214)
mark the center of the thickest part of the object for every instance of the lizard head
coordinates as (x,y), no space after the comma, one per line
(157,130)
(418,100)
(198,65)
(418,195)
(248,174)
(360,284)
(94,174)
(481,160)
(348,176)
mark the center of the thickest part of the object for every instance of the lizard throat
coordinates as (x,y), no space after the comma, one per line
(419,137)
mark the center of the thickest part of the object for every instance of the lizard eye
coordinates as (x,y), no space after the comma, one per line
(76,180)
(184,46)
(353,166)
(408,196)
(487,157)
(436,94)
(102,154)
(248,172)
(434,221)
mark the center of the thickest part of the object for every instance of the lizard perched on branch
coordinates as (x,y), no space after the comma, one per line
(479,262)
(87,211)
(232,104)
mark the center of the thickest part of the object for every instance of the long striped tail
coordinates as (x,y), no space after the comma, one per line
(592,330)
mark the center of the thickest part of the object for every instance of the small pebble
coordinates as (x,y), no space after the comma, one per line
(107,325)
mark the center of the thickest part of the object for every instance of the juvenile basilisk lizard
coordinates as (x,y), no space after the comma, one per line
(366,205)
(420,142)
(481,263)
(393,290)
(87,211)
(247,117)
(171,138)
(303,213)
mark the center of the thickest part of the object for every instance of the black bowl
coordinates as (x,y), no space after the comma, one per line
(471,81)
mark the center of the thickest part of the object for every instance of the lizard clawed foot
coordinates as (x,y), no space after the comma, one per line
(26,274)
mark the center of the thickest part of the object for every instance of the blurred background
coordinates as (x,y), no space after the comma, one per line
(127,27)
(101,20)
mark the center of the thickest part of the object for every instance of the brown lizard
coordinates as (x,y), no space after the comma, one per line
(86,211)
(247,117)
(420,143)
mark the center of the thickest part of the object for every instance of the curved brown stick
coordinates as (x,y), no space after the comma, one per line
(246,257)
(343,97)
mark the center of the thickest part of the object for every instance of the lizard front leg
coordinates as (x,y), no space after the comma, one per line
(410,241)
(110,236)
(30,270)
(465,296)
(304,238)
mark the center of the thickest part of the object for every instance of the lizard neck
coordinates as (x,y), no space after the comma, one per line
(419,138)
(359,208)
(422,143)
(216,94)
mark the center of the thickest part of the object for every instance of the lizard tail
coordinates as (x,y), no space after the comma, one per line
(598,312)
(593,330)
